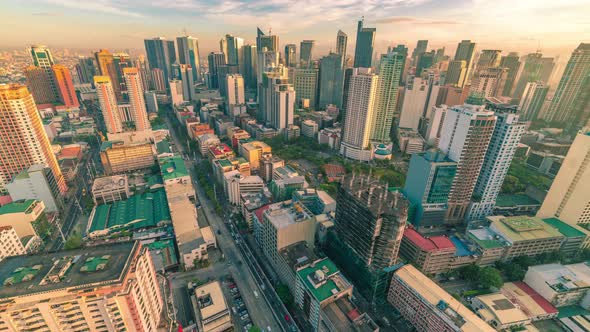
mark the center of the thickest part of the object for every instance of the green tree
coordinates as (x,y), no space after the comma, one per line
(254,329)
(470,272)
(73,242)
(285,295)
(490,277)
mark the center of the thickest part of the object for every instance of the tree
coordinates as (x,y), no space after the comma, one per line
(285,295)
(490,277)
(73,242)
(512,185)
(470,272)
(254,329)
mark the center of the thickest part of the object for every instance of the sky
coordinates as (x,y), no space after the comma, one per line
(554,26)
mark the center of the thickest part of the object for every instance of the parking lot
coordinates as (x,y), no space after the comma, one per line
(239,311)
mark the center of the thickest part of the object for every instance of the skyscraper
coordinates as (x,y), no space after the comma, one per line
(271,42)
(136,99)
(188,54)
(403,51)
(386,96)
(41,56)
(465,137)
(424,61)
(86,70)
(306,85)
(24,140)
(235,91)
(488,58)
(420,48)
(505,138)
(108,104)
(419,97)
(122,60)
(39,84)
(215,61)
(267,60)
(250,65)
(536,68)
(331,80)
(371,220)
(270,78)
(358,121)
(341,43)
(161,54)
(234,49)
(106,66)
(65,86)
(532,100)
(158,82)
(489,81)
(512,63)
(363,50)
(465,52)
(571,101)
(306,52)
(569,198)
(290,55)
(188,83)
(456,73)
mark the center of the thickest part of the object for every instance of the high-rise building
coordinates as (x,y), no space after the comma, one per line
(271,77)
(290,55)
(106,67)
(358,121)
(331,80)
(108,104)
(434,127)
(188,54)
(65,86)
(234,49)
(419,97)
(505,138)
(136,99)
(41,56)
(512,63)
(24,140)
(386,96)
(250,65)
(282,104)
(569,196)
(161,54)
(456,73)
(420,48)
(465,137)
(424,61)
(176,92)
(270,41)
(188,83)
(489,81)
(532,100)
(363,50)
(371,219)
(341,43)
(571,101)
(403,51)
(215,60)
(306,52)
(488,58)
(121,60)
(465,52)
(158,81)
(86,70)
(536,68)
(39,83)
(222,72)
(268,60)
(235,91)
(305,83)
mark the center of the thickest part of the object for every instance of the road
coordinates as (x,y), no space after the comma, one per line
(262,314)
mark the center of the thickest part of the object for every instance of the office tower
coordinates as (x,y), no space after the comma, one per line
(536,68)
(235,91)
(532,100)
(440,55)
(488,58)
(161,54)
(108,104)
(176,93)
(420,48)
(136,99)
(403,51)
(158,81)
(363,50)
(39,83)
(290,55)
(144,72)
(250,65)
(234,49)
(306,53)
(269,78)
(305,83)
(489,81)
(121,60)
(331,80)
(223,48)
(512,63)
(571,101)
(24,140)
(188,84)
(569,198)
(434,127)
(106,67)
(281,106)
(456,73)
(505,138)
(424,61)
(267,60)
(65,86)
(371,219)
(428,184)
(465,138)
(41,56)
(341,43)
(465,52)
(419,97)
(386,96)
(222,72)
(215,60)
(358,123)
(451,95)
(271,42)
(188,54)
(86,70)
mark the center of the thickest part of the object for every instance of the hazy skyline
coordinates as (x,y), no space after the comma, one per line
(523,26)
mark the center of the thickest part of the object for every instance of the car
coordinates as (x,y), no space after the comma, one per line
(287,318)
(218,232)
(232,286)
(233,309)
(268,328)
(244,317)
(256,294)
(243,312)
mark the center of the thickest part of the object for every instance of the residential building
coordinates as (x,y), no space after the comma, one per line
(250,202)
(108,104)
(268,164)
(235,184)
(562,285)
(386,96)
(363,50)
(408,141)
(37,182)
(188,54)
(110,189)
(65,86)
(213,312)
(489,81)
(105,62)
(10,243)
(136,100)
(535,68)
(42,58)
(161,54)
(569,198)
(86,70)
(176,92)
(117,157)
(305,82)
(250,65)
(371,220)
(109,287)
(235,92)
(188,83)
(157,79)
(427,306)
(456,73)
(39,83)
(512,63)
(532,100)
(432,255)
(24,140)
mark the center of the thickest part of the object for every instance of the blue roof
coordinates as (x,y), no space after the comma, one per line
(462,249)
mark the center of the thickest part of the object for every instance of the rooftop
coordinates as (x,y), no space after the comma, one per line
(319,279)
(110,182)
(163,146)
(210,299)
(297,254)
(563,278)
(172,167)
(286,213)
(515,200)
(30,270)
(531,302)
(523,228)
(347,318)
(433,243)
(565,229)
(461,246)
(502,308)
(21,206)
(486,238)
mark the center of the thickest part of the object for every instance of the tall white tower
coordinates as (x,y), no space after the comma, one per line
(136,99)
(108,104)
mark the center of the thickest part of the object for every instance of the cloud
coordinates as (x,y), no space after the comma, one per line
(414,20)
(52,14)
(100,6)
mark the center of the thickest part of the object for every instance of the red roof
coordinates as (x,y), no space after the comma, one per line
(5,200)
(44,106)
(428,244)
(353,314)
(541,301)
(334,170)
(70,152)
(260,211)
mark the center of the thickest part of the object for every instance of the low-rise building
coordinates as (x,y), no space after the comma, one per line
(516,205)
(254,151)
(499,312)
(250,202)
(199,129)
(562,285)
(317,201)
(283,189)
(236,184)
(343,315)
(309,128)
(268,164)
(28,219)
(409,141)
(331,137)
(431,255)
(117,157)
(173,170)
(529,301)
(427,306)
(110,189)
(37,182)
(212,311)
(220,151)
(205,141)
(10,243)
(576,238)
(489,246)
(291,259)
